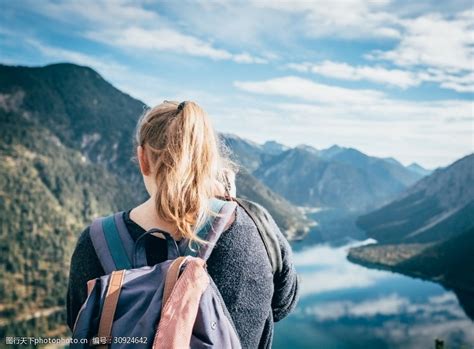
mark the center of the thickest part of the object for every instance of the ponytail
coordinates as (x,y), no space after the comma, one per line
(187,161)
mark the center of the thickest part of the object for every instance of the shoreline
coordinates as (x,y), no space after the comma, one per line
(465,295)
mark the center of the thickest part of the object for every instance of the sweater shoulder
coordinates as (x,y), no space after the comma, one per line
(242,241)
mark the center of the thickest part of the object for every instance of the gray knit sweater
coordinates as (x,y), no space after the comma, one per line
(239,266)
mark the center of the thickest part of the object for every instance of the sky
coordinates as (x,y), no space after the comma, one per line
(389,78)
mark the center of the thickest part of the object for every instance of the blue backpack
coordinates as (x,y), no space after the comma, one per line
(140,306)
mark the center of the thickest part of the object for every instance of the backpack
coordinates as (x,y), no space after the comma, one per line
(174,304)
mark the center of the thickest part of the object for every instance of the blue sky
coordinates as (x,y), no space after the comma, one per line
(390,78)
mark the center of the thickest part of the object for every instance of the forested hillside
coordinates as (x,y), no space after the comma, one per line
(48,192)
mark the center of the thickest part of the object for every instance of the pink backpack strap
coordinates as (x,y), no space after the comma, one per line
(180,308)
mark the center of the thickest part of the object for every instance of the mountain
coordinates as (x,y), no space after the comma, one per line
(66,157)
(331,151)
(284,213)
(428,232)
(392,160)
(244,152)
(419,169)
(308,148)
(378,166)
(357,158)
(437,207)
(336,177)
(249,155)
(274,148)
(81,109)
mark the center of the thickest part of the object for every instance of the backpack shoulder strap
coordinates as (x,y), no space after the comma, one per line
(262,220)
(112,242)
(212,229)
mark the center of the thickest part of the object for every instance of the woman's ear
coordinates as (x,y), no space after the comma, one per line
(143,161)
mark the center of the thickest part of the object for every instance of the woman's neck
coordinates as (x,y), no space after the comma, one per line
(145,215)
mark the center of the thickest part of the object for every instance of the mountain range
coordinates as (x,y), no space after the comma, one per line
(335,177)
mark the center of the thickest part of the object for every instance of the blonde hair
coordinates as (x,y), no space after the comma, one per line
(188,161)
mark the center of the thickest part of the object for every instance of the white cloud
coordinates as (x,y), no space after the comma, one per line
(104,12)
(388,305)
(392,304)
(292,86)
(131,27)
(459,82)
(247,58)
(431,47)
(386,110)
(434,41)
(344,71)
(335,279)
(160,40)
(402,329)
(327,100)
(440,49)
(238,24)
(445,305)
(166,39)
(346,19)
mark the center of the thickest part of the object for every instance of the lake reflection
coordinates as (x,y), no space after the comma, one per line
(344,305)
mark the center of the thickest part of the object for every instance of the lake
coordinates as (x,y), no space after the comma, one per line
(344,305)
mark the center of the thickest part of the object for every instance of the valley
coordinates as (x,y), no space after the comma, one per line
(66,156)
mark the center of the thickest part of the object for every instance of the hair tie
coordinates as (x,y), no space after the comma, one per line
(181,106)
